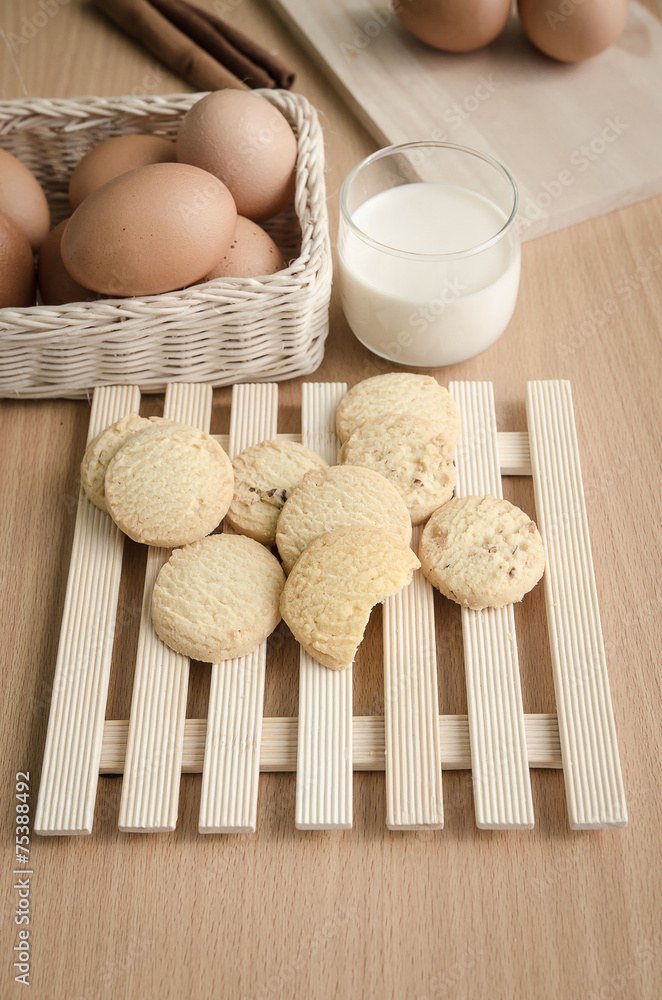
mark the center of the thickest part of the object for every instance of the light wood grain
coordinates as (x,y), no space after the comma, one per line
(324,796)
(456,913)
(228,800)
(597,154)
(278,750)
(410,736)
(414,797)
(150,787)
(75,727)
(502,786)
(591,763)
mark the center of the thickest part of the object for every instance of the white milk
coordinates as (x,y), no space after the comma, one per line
(421,312)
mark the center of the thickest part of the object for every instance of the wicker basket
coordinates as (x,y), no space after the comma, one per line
(221,332)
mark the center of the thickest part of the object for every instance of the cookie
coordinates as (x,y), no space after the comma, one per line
(264,476)
(482,552)
(403,392)
(169,485)
(99,453)
(218,598)
(328,596)
(341,496)
(411,454)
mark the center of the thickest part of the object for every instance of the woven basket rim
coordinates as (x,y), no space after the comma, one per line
(192,293)
(220,332)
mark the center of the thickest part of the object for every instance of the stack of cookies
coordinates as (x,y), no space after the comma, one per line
(169,485)
(163,483)
(481,552)
(405,427)
(344,535)
(342,532)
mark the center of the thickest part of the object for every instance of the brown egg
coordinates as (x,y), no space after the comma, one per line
(572,31)
(252,253)
(114,157)
(23,200)
(17,280)
(247,143)
(152,230)
(454,25)
(55,283)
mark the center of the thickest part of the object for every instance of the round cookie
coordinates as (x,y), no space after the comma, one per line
(169,485)
(264,476)
(399,392)
(482,552)
(341,496)
(328,596)
(100,451)
(218,598)
(411,454)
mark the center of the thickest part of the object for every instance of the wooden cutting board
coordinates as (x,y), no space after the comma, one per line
(581,140)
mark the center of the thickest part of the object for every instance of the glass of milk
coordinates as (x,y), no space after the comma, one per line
(429,252)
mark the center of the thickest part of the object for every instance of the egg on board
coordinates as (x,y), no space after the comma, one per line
(152,230)
(570,30)
(454,25)
(246,142)
(113,157)
(17,278)
(252,253)
(22,198)
(56,285)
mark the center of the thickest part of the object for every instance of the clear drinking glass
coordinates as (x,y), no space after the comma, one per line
(429,252)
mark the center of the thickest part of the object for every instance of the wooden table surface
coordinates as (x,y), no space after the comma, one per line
(364,913)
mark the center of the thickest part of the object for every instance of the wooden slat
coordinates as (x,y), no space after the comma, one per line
(329,744)
(501,781)
(80,687)
(150,789)
(278,750)
(411,708)
(324,772)
(591,764)
(514,455)
(228,801)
